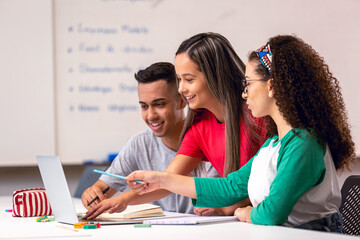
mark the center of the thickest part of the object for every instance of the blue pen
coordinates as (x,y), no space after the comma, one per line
(114,175)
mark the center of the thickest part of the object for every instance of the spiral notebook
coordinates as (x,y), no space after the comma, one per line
(193,220)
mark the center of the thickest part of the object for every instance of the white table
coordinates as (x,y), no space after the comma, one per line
(28,228)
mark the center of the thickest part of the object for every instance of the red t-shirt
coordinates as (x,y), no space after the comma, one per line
(206,139)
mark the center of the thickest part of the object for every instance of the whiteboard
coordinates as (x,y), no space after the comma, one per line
(99,44)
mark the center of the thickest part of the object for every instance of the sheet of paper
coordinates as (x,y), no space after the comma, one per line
(191,220)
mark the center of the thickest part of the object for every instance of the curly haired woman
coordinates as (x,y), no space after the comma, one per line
(292,179)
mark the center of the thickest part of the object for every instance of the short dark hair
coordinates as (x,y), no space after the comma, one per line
(157,71)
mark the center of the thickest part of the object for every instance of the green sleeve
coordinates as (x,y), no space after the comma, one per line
(300,166)
(221,192)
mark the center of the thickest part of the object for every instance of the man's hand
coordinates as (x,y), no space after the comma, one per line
(96,191)
(111,205)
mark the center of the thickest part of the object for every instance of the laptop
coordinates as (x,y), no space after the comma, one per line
(59,196)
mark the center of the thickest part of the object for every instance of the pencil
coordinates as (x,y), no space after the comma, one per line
(97,197)
(66,228)
(114,175)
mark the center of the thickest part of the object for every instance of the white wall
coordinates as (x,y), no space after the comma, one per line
(27,123)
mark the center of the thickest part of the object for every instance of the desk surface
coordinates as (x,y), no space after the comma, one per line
(28,228)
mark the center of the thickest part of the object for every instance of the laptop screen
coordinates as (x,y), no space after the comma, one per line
(59,196)
(57,189)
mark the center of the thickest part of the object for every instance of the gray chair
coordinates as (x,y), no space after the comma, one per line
(350,205)
(88,178)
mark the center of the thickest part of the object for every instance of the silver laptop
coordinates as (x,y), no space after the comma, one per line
(58,193)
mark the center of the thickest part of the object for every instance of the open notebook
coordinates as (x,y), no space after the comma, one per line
(134,211)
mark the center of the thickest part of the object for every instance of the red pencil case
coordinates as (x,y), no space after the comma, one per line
(30,203)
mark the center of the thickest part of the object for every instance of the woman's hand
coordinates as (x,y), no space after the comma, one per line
(243,214)
(209,211)
(150,181)
(224,211)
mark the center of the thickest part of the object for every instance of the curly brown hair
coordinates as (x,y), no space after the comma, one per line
(308,96)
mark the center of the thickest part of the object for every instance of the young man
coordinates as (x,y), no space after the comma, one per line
(162,109)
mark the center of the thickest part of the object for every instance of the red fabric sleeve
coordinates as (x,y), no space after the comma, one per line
(189,145)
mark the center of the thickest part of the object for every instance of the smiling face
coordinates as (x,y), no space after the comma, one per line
(259,95)
(192,84)
(161,107)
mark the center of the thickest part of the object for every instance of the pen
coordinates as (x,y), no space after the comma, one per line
(97,197)
(114,175)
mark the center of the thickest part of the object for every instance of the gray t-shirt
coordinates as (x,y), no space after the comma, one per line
(145,151)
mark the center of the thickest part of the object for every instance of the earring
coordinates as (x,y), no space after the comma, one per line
(271,94)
